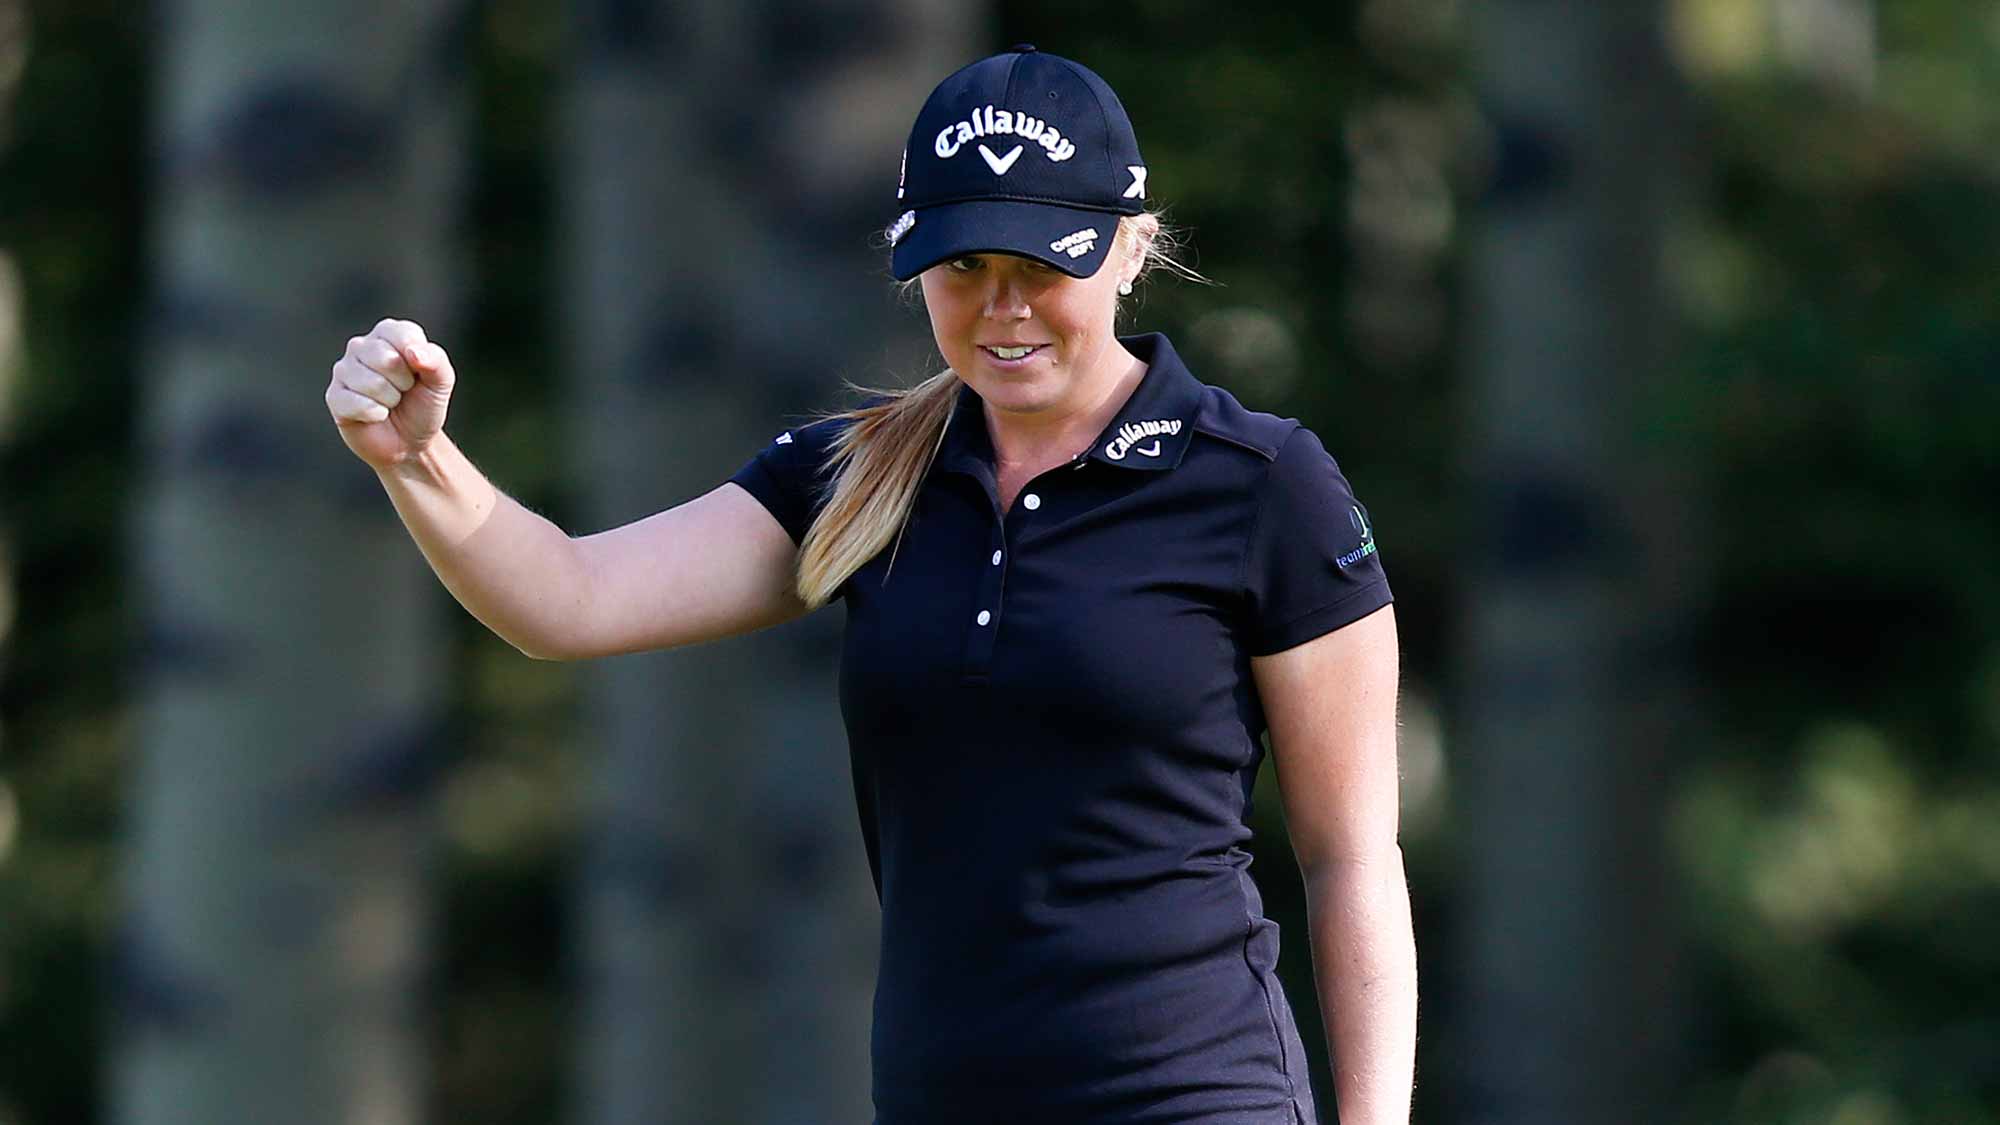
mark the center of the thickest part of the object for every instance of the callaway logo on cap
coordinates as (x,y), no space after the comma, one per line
(1022,153)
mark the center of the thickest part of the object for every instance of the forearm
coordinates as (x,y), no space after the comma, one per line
(1365,967)
(516,572)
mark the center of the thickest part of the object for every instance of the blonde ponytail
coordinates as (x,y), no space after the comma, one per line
(877,465)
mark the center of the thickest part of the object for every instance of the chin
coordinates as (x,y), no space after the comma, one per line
(1021,394)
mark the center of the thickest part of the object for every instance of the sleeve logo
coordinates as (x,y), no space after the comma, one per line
(1359,520)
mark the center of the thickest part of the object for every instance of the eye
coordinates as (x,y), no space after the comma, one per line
(966,264)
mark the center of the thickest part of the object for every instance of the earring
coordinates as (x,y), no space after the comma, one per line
(1124,289)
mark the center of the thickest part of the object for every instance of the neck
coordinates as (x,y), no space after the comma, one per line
(1053,436)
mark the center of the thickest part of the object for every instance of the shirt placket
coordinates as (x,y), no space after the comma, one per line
(1003,541)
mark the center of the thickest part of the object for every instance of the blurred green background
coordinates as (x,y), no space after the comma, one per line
(1797,431)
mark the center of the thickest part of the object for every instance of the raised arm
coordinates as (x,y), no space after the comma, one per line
(1331,704)
(717,565)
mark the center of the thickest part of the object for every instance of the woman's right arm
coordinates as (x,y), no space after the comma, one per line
(717,565)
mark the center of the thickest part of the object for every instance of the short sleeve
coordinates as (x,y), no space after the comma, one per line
(788,476)
(1311,565)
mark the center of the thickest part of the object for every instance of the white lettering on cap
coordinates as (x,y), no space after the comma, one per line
(1077,243)
(987,121)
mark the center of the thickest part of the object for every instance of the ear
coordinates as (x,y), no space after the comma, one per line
(1139,231)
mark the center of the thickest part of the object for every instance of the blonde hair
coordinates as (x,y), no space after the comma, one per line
(877,464)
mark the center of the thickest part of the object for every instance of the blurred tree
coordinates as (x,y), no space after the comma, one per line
(1841,839)
(722,166)
(273,958)
(69,216)
(1574,596)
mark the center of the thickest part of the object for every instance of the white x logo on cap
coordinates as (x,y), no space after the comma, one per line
(1138,188)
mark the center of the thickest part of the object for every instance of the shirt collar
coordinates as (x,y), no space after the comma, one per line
(1150,432)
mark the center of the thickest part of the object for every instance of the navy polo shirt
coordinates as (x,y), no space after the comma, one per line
(1054,732)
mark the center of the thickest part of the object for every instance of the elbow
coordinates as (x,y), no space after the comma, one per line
(554,654)
(1347,868)
(543,648)
(534,652)
(1367,898)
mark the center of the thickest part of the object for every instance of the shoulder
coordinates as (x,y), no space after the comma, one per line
(792,468)
(1222,417)
(808,441)
(791,473)
(1279,461)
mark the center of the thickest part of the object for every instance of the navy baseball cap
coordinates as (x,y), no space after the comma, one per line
(1022,153)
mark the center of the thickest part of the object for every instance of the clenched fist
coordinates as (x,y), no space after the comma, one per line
(389,392)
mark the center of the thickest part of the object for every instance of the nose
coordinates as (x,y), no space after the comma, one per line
(1006,298)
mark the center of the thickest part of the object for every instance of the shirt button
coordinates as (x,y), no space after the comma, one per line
(1032,501)
(984,617)
(996,558)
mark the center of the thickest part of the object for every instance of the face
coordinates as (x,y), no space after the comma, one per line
(986,308)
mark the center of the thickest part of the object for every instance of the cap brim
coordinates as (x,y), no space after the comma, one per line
(1006,226)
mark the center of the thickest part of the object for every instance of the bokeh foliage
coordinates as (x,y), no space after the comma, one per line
(1834,396)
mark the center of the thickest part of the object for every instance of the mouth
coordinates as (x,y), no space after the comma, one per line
(1011,353)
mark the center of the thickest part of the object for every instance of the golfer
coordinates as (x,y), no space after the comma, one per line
(1080,586)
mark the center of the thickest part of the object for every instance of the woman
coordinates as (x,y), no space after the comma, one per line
(1080,585)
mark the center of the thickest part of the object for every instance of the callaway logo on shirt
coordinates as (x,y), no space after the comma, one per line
(1131,433)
